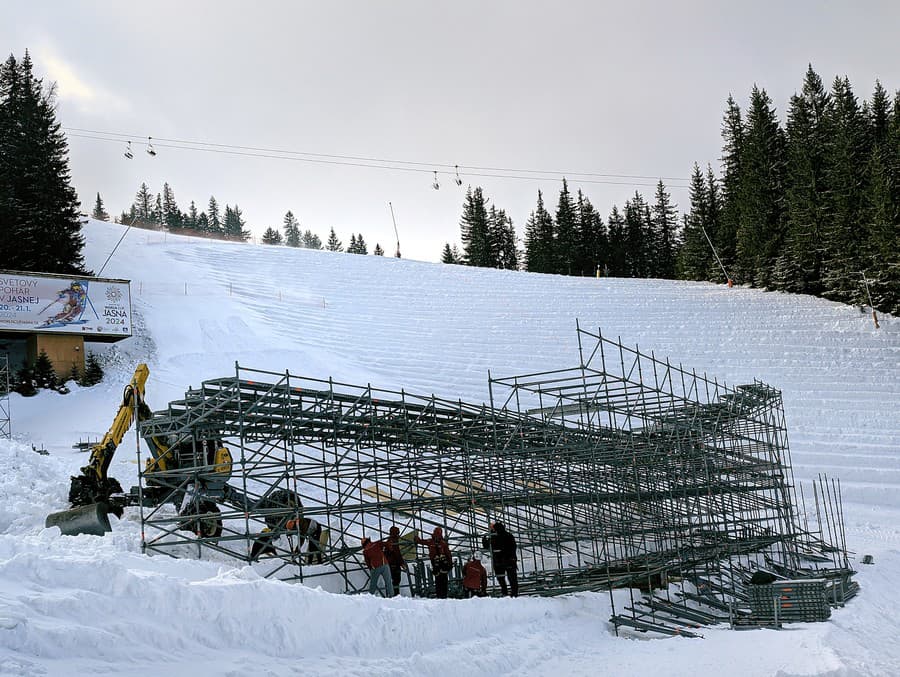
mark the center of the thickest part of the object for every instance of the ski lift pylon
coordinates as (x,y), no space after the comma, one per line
(128,152)
(435,185)
(150,150)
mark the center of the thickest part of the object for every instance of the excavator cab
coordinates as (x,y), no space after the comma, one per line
(191,472)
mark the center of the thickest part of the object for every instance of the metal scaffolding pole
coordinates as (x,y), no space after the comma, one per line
(5,427)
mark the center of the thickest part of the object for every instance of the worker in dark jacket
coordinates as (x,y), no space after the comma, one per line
(474,578)
(373,553)
(311,531)
(503,554)
(441,560)
(395,558)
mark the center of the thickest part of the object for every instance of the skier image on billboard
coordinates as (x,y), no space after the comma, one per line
(74,300)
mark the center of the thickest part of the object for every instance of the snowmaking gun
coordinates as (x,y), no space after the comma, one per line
(191,474)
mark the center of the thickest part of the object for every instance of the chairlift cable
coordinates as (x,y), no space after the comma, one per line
(360,158)
(376,166)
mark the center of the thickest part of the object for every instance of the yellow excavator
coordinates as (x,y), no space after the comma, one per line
(191,474)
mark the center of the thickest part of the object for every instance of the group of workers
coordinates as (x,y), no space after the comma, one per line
(386,563)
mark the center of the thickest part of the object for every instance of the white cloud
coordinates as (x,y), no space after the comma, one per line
(76,88)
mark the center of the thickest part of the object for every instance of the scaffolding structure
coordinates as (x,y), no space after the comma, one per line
(625,471)
(5,427)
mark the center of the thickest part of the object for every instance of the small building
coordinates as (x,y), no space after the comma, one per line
(59,314)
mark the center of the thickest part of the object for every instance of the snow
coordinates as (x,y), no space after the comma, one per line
(90,605)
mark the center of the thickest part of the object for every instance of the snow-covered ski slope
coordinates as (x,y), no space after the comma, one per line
(83,605)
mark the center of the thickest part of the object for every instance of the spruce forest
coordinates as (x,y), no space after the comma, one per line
(810,206)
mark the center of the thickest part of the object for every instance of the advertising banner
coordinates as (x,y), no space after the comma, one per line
(67,305)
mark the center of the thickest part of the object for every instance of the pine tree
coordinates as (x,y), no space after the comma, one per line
(882,206)
(378,251)
(39,210)
(881,210)
(352,248)
(799,264)
(618,246)
(637,237)
(502,238)
(361,247)
(44,374)
(695,255)
(93,372)
(234,226)
(156,214)
(312,241)
(594,245)
(271,236)
(761,225)
(475,230)
(291,230)
(725,237)
(143,205)
(845,232)
(334,245)
(880,115)
(25,383)
(447,254)
(213,218)
(566,243)
(540,244)
(171,214)
(192,218)
(664,237)
(99,212)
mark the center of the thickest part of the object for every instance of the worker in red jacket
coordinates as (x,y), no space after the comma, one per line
(373,553)
(474,578)
(441,560)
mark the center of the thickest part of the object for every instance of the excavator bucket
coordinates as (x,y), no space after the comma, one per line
(85,519)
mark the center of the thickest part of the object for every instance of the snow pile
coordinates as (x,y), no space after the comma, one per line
(80,605)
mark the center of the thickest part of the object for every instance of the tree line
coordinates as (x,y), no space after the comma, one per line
(162,212)
(292,237)
(640,241)
(812,206)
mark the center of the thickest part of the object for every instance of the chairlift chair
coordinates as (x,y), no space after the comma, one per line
(150,150)
(128,152)
(457,179)
(436,185)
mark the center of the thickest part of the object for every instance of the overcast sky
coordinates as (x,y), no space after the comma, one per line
(565,88)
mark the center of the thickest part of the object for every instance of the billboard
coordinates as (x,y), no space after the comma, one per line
(55,304)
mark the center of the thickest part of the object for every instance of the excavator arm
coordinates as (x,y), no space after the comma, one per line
(102,453)
(90,491)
